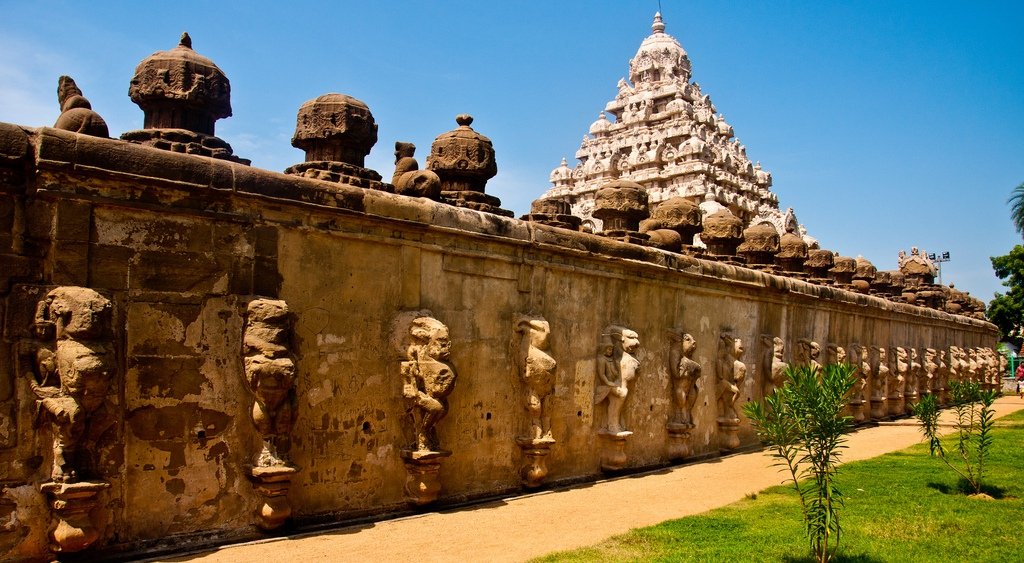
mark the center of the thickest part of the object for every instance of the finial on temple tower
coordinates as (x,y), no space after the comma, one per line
(658,26)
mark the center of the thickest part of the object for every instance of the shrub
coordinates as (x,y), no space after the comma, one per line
(803,424)
(973,435)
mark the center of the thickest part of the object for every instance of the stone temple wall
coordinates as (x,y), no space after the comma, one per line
(175,248)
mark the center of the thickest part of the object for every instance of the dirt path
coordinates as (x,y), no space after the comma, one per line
(529,526)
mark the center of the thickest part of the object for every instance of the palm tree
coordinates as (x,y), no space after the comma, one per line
(1016,202)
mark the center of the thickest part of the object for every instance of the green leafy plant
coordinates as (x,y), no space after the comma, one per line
(803,424)
(974,416)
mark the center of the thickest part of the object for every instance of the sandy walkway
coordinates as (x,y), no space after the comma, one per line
(529,526)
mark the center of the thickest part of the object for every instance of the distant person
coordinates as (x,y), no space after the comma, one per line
(1020,372)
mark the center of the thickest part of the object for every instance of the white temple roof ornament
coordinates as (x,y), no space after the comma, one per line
(661,131)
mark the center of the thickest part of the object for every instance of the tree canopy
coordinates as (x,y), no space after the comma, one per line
(1006,311)
(1016,202)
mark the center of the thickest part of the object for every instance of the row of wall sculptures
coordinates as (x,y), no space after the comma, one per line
(70,368)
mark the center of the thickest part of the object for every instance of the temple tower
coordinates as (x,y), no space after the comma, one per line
(664,133)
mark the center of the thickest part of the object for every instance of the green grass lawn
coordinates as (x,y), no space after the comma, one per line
(903,506)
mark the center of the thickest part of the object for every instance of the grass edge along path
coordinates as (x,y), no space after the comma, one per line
(902,506)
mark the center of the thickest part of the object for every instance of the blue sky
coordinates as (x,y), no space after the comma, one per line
(884,124)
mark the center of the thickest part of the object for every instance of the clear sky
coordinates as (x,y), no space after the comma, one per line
(884,124)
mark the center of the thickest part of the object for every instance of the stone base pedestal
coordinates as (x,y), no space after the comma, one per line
(422,485)
(71,504)
(895,404)
(272,484)
(878,410)
(857,411)
(679,440)
(613,449)
(729,434)
(534,468)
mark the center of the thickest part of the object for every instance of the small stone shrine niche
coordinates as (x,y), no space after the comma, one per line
(553,212)
(616,368)
(464,160)
(182,95)
(760,245)
(621,205)
(336,132)
(76,112)
(427,378)
(672,225)
(685,372)
(270,375)
(916,268)
(773,366)
(409,179)
(71,368)
(730,373)
(537,372)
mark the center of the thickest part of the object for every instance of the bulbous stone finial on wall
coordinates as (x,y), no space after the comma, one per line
(554,212)
(336,132)
(182,94)
(464,160)
(270,374)
(819,262)
(71,369)
(621,205)
(409,179)
(842,271)
(793,253)
(672,225)
(537,371)
(760,245)
(616,368)
(427,380)
(863,275)
(722,234)
(76,112)
(730,373)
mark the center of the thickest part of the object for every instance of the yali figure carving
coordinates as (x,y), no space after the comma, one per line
(685,373)
(616,367)
(428,379)
(731,372)
(270,373)
(537,371)
(71,380)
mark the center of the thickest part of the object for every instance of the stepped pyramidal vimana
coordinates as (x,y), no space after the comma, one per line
(197,351)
